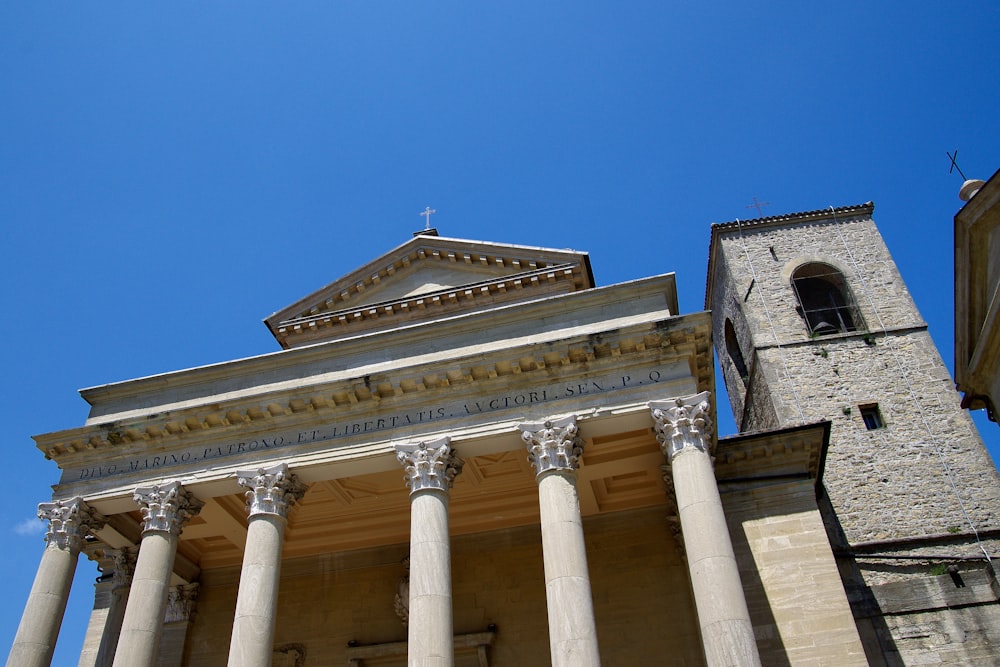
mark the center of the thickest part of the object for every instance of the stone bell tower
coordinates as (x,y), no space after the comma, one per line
(812,321)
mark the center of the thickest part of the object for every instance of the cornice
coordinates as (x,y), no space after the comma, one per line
(687,336)
(326,323)
(547,318)
(798,450)
(337,296)
(818,216)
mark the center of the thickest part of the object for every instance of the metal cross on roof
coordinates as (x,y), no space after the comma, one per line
(759,205)
(954,164)
(427,214)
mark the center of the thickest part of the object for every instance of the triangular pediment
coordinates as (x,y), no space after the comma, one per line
(426,278)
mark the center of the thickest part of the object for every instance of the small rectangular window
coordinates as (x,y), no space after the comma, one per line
(872,416)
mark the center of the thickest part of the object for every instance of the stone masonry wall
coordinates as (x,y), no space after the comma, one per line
(927,469)
(794,593)
(907,500)
(925,472)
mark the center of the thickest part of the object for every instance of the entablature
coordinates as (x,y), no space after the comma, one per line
(357,415)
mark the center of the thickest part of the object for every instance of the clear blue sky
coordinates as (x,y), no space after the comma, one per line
(171,174)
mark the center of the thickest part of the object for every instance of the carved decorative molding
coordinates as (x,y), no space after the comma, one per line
(181,602)
(165,507)
(554,444)
(402,601)
(289,655)
(682,423)
(674,526)
(270,490)
(668,485)
(69,522)
(429,465)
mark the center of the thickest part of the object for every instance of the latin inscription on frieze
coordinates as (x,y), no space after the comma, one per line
(345,428)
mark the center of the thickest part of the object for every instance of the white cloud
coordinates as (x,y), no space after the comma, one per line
(30,527)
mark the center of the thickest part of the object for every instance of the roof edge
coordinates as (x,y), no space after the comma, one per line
(830,213)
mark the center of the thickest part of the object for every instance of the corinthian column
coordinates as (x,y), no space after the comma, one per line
(683,430)
(164,508)
(430,468)
(554,450)
(271,492)
(69,523)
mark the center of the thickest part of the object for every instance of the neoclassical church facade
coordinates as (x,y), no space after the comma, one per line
(468,453)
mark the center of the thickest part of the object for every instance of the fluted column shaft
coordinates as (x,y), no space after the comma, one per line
(684,432)
(164,508)
(271,492)
(69,522)
(554,449)
(430,471)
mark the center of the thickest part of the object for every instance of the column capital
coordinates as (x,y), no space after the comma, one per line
(683,423)
(69,522)
(165,507)
(180,603)
(554,444)
(270,490)
(429,465)
(124,560)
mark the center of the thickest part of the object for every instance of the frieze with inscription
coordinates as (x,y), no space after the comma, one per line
(387,422)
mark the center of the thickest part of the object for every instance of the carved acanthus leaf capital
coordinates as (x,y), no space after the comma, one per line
(554,444)
(165,507)
(124,560)
(69,522)
(429,465)
(181,602)
(683,422)
(270,490)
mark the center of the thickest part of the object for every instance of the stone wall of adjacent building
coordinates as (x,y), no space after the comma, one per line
(642,602)
(796,599)
(926,472)
(932,603)
(921,482)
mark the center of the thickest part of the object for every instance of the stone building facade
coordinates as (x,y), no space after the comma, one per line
(812,321)
(467,453)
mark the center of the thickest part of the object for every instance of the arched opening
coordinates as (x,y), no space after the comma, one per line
(735,354)
(825,302)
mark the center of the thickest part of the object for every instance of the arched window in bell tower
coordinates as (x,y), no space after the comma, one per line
(825,301)
(733,348)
